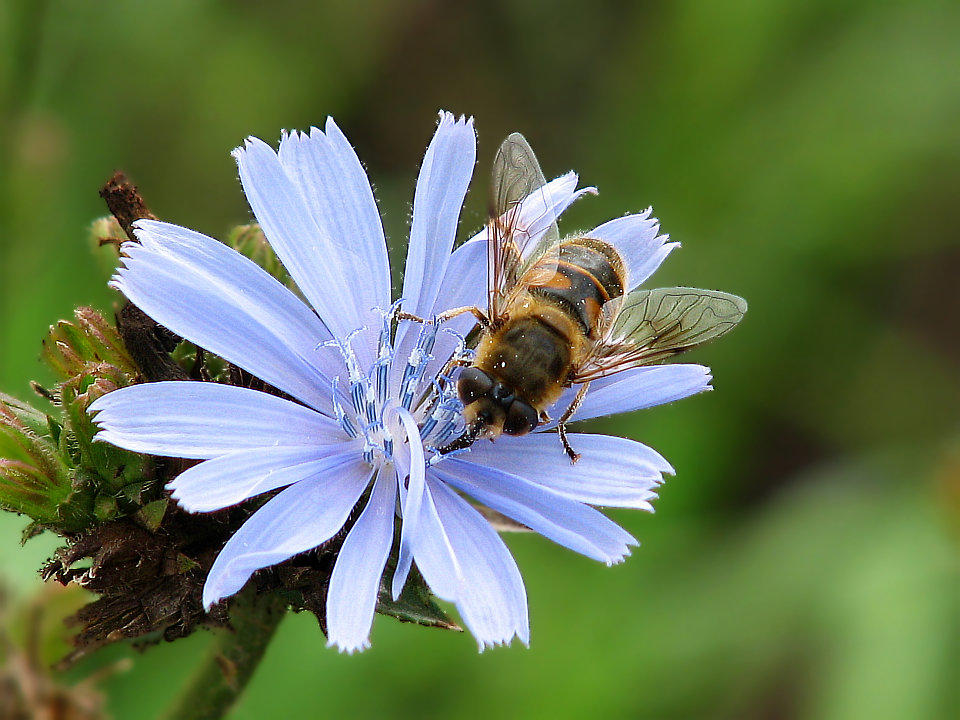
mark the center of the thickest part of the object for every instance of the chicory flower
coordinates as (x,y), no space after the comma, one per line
(365,395)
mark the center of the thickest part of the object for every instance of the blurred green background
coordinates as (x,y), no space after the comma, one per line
(804,561)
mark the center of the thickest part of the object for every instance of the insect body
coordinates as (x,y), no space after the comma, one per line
(559,314)
(530,353)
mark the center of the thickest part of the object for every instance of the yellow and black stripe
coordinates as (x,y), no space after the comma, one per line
(587,275)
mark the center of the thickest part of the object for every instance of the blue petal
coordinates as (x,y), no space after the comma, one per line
(540,210)
(612,471)
(465,282)
(332,182)
(635,238)
(312,257)
(433,550)
(414,491)
(464,560)
(634,389)
(567,522)
(404,553)
(441,187)
(300,518)
(355,583)
(233,478)
(205,420)
(220,300)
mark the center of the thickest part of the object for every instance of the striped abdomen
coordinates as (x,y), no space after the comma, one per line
(587,274)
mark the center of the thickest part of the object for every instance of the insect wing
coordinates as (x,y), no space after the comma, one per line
(652,325)
(519,206)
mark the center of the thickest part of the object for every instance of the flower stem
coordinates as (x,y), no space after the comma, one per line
(231,660)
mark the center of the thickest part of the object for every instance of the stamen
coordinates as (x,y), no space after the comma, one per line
(342,418)
(446,408)
(357,378)
(438,456)
(438,407)
(356,394)
(446,431)
(428,336)
(371,398)
(372,434)
(381,369)
(417,362)
(461,342)
(387,442)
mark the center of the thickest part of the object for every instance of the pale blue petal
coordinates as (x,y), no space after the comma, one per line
(326,170)
(642,271)
(233,478)
(355,583)
(565,521)
(204,420)
(465,283)
(635,238)
(464,560)
(300,518)
(541,209)
(490,597)
(433,550)
(404,553)
(634,389)
(414,476)
(441,187)
(220,300)
(611,471)
(307,251)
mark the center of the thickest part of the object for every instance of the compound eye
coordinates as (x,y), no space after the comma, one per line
(521,418)
(473,383)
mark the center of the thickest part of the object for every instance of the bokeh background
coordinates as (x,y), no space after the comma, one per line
(804,561)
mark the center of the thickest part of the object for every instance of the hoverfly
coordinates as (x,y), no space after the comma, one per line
(561,312)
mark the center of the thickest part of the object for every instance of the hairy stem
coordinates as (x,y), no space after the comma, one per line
(230,662)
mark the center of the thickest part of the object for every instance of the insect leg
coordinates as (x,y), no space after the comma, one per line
(454,360)
(574,456)
(401,315)
(452,363)
(472,309)
(567,414)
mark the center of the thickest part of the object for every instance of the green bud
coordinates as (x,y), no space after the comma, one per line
(34,478)
(90,345)
(248,240)
(50,467)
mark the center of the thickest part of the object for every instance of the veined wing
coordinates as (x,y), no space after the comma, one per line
(652,325)
(518,203)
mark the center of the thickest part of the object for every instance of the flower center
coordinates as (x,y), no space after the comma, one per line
(375,397)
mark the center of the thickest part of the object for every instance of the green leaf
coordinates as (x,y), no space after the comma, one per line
(151,515)
(416,603)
